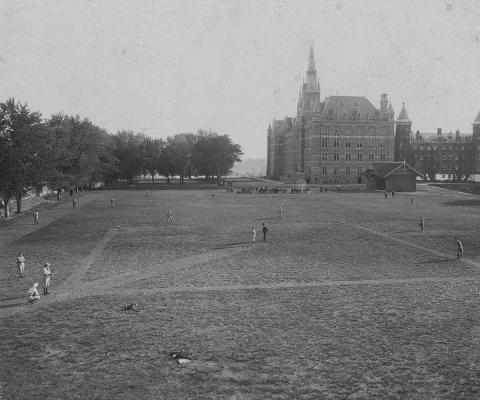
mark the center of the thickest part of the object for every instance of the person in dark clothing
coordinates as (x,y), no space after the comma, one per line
(264,230)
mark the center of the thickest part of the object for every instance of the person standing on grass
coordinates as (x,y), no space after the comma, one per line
(422,223)
(74,203)
(47,274)
(21,265)
(254,236)
(393,194)
(264,230)
(35,217)
(411,201)
(280,212)
(112,202)
(33,294)
(459,248)
(170,216)
(386,194)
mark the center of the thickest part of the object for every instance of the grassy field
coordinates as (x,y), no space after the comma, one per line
(347,299)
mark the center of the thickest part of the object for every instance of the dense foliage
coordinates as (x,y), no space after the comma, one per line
(65,151)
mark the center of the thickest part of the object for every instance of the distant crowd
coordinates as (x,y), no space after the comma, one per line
(272,189)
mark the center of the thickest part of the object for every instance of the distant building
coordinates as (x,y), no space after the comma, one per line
(439,156)
(335,140)
(330,141)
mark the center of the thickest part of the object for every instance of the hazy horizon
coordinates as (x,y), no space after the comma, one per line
(165,67)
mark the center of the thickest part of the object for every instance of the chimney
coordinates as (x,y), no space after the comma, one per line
(439,131)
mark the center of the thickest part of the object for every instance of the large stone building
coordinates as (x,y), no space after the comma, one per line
(439,156)
(329,141)
(336,140)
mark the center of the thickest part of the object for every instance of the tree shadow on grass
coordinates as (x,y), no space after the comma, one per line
(266,219)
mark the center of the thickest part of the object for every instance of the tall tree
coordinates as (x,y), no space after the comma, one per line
(128,151)
(152,151)
(177,156)
(214,155)
(20,142)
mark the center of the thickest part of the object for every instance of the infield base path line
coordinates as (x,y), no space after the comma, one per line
(417,246)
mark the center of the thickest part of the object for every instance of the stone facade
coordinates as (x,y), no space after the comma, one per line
(332,141)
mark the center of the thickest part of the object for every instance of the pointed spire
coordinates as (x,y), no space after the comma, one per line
(311,84)
(311,60)
(477,120)
(403,116)
(390,108)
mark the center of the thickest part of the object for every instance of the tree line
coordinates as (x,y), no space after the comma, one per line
(68,151)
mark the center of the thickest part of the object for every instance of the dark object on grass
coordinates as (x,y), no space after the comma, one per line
(130,307)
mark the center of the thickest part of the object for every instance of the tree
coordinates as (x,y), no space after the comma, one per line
(177,156)
(128,151)
(214,155)
(81,152)
(152,151)
(20,144)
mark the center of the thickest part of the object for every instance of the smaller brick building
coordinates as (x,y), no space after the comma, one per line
(391,177)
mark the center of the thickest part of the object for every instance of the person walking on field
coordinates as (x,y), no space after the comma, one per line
(422,223)
(33,293)
(74,203)
(264,230)
(281,211)
(47,274)
(254,235)
(459,248)
(21,265)
(112,202)
(35,217)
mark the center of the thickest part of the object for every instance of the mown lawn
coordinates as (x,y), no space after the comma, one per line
(346,299)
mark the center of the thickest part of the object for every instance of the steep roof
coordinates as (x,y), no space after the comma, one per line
(384,169)
(390,108)
(339,105)
(477,120)
(403,116)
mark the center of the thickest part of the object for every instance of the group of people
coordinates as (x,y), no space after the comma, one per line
(253,231)
(33,294)
(273,189)
(458,242)
(392,192)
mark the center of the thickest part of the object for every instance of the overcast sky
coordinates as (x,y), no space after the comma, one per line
(165,67)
